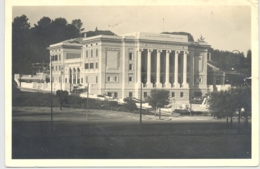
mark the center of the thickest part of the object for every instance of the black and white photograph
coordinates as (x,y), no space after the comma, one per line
(134,83)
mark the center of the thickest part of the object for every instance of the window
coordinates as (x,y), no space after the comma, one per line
(97,52)
(173,94)
(197,94)
(130,94)
(130,56)
(130,66)
(181,94)
(96,79)
(86,79)
(91,53)
(217,80)
(108,79)
(59,67)
(130,79)
(81,80)
(91,65)
(115,79)
(65,80)
(56,57)
(145,94)
(115,94)
(109,93)
(197,80)
(96,65)
(86,65)
(86,54)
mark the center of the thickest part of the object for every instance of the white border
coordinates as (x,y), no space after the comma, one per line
(130,163)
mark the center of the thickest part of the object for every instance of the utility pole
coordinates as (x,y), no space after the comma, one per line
(51,92)
(141,108)
(87,100)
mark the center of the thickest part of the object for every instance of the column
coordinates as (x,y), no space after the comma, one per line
(176,83)
(158,73)
(148,83)
(184,81)
(76,75)
(167,84)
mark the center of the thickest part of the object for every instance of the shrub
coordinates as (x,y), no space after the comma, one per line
(130,105)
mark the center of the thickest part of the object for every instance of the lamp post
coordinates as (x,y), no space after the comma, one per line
(141,106)
(51,92)
(61,72)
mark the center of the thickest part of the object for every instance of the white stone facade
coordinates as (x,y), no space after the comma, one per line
(119,65)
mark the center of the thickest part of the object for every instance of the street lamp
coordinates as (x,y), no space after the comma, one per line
(51,92)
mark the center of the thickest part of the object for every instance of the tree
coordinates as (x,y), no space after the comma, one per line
(44,22)
(78,24)
(130,104)
(201,39)
(158,99)
(63,95)
(225,103)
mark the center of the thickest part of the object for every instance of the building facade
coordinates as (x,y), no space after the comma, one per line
(120,65)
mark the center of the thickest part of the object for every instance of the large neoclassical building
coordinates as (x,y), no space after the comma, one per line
(119,65)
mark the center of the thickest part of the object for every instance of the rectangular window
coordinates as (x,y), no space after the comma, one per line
(65,80)
(59,67)
(130,79)
(217,80)
(115,79)
(86,65)
(130,94)
(130,56)
(109,93)
(200,80)
(181,94)
(97,52)
(130,66)
(173,94)
(115,94)
(96,65)
(81,80)
(108,79)
(91,65)
(145,94)
(86,79)
(91,53)
(96,79)
(56,57)
(197,94)
(86,54)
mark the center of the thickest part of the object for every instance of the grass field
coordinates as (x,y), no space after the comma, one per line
(117,135)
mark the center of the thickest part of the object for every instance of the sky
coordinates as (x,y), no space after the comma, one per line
(223,27)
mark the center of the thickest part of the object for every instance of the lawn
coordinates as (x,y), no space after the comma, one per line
(117,135)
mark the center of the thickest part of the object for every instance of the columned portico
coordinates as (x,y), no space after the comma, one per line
(158,69)
(176,72)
